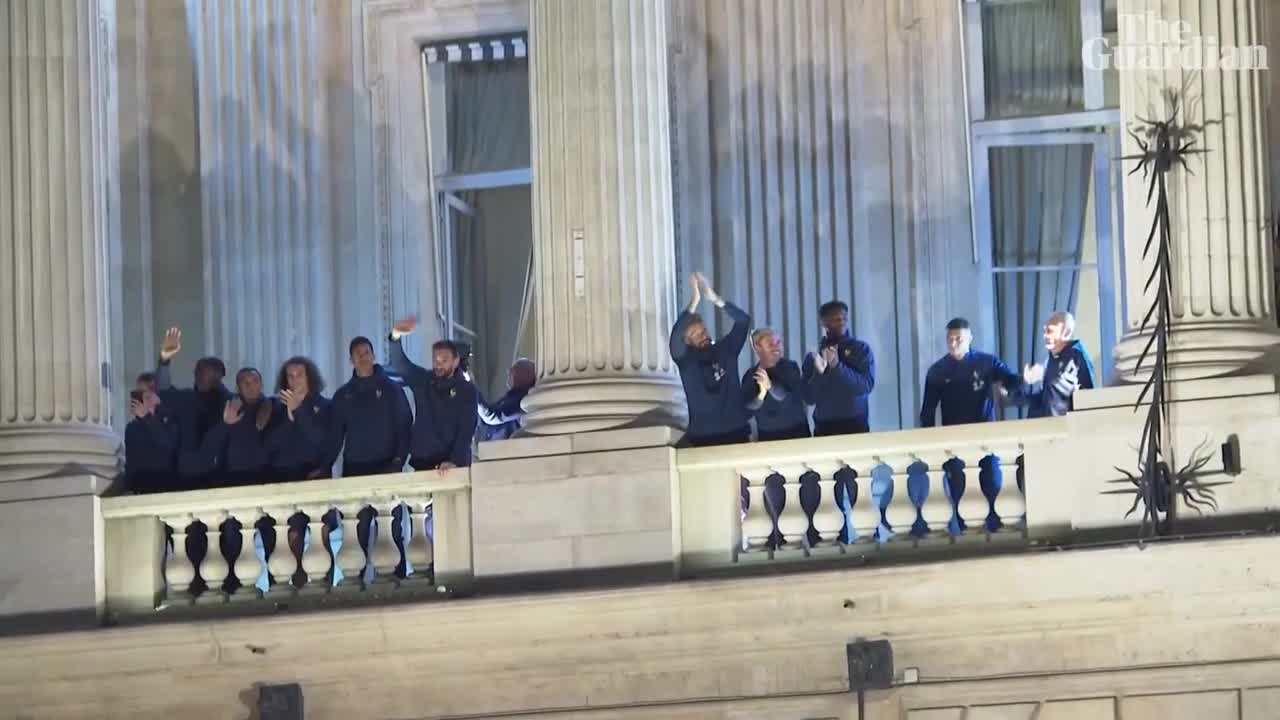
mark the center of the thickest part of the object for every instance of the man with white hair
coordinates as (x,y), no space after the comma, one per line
(1050,389)
(774,390)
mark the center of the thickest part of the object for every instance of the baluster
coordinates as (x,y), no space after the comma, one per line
(179,572)
(315,558)
(282,564)
(351,557)
(420,550)
(757,526)
(214,567)
(247,567)
(385,555)
(793,522)
(937,509)
(828,517)
(866,511)
(1011,503)
(974,506)
(901,512)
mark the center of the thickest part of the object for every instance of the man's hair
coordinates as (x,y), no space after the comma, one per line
(449,345)
(246,370)
(212,363)
(958,323)
(1065,319)
(356,342)
(761,333)
(145,377)
(524,369)
(315,381)
(831,307)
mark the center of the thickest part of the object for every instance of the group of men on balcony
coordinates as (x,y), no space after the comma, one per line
(836,379)
(208,436)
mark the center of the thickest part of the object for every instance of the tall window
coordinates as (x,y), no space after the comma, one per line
(477,95)
(1046,190)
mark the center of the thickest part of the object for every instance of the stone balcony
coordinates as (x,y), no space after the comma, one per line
(625,506)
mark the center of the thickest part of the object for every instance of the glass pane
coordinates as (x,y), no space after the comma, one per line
(488,115)
(1040,204)
(1031,57)
(490,265)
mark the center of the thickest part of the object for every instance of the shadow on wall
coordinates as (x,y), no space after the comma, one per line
(801,200)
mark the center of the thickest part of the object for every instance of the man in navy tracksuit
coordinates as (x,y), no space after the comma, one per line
(839,377)
(444,403)
(774,391)
(966,384)
(242,438)
(709,370)
(502,419)
(774,394)
(371,418)
(1050,389)
(300,439)
(197,410)
(150,440)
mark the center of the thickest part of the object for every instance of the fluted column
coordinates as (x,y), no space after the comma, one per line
(603,246)
(1222,303)
(264,182)
(57,158)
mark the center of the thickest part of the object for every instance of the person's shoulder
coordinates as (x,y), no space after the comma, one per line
(937,366)
(855,345)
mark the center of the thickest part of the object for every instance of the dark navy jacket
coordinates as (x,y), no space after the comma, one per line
(964,388)
(197,413)
(1066,372)
(371,420)
(782,411)
(501,420)
(303,442)
(445,421)
(151,444)
(710,377)
(839,395)
(243,447)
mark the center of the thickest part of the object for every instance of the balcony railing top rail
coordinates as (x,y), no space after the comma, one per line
(892,447)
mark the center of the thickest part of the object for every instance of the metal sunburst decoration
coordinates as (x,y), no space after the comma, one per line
(1165,146)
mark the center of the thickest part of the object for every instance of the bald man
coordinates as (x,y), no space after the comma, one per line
(502,419)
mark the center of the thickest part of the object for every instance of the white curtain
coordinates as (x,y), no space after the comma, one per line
(1039,197)
(1031,56)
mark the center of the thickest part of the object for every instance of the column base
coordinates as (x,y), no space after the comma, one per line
(30,451)
(587,404)
(1202,350)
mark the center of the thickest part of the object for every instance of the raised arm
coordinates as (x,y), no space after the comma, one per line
(857,370)
(400,362)
(733,340)
(169,348)
(678,345)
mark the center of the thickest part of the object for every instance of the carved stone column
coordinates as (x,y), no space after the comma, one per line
(1222,301)
(603,240)
(58,162)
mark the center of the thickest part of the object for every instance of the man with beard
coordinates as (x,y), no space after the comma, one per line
(709,370)
(445,403)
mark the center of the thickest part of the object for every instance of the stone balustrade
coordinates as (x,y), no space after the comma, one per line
(380,535)
(858,494)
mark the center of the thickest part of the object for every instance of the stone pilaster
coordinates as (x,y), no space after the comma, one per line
(603,241)
(1223,305)
(58,165)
